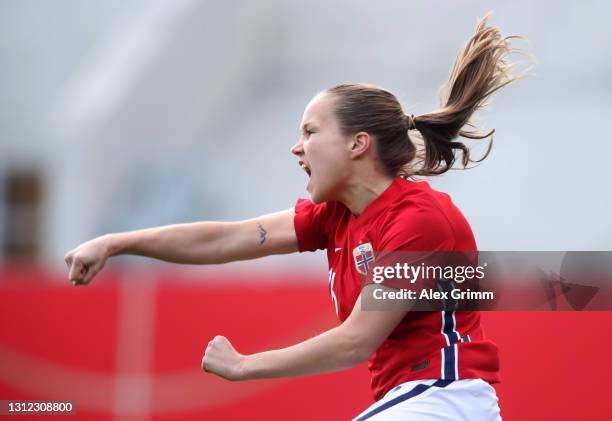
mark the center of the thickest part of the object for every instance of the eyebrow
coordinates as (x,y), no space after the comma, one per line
(305,126)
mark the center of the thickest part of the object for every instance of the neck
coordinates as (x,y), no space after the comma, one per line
(363,192)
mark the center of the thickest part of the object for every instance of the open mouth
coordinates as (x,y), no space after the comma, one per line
(305,168)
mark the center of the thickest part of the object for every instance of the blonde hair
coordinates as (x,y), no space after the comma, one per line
(481,68)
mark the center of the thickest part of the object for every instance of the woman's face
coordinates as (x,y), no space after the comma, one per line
(323,151)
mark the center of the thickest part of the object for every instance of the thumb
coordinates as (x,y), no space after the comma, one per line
(76,271)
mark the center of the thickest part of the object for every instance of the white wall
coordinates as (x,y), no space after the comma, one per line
(147,113)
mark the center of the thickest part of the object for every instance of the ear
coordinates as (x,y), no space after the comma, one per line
(359,144)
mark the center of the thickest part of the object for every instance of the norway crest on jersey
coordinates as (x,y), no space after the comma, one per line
(363,255)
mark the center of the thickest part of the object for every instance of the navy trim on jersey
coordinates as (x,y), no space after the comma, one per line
(415,391)
(449,327)
(449,362)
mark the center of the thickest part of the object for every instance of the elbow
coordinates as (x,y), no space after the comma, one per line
(357,349)
(359,356)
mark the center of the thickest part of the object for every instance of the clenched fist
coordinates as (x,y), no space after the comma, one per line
(85,261)
(221,358)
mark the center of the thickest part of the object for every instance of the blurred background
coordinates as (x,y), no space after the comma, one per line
(120,115)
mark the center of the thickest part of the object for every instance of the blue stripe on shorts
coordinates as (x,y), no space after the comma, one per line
(415,391)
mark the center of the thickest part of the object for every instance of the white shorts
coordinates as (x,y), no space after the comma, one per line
(428,400)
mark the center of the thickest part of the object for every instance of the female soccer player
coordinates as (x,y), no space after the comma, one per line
(357,148)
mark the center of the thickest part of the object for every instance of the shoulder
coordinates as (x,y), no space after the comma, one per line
(416,219)
(416,203)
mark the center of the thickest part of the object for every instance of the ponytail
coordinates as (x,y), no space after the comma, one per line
(480,70)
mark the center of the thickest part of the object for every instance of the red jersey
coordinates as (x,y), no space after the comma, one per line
(407,216)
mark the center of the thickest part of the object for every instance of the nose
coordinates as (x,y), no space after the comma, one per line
(298,148)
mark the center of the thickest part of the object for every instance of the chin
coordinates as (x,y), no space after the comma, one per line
(317,196)
(316,201)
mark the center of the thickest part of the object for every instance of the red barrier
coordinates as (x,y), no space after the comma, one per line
(130,348)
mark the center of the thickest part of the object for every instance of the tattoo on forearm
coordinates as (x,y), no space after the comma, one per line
(262,234)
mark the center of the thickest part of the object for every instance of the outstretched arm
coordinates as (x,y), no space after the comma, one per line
(336,349)
(194,243)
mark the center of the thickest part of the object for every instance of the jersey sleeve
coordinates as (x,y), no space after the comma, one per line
(311,225)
